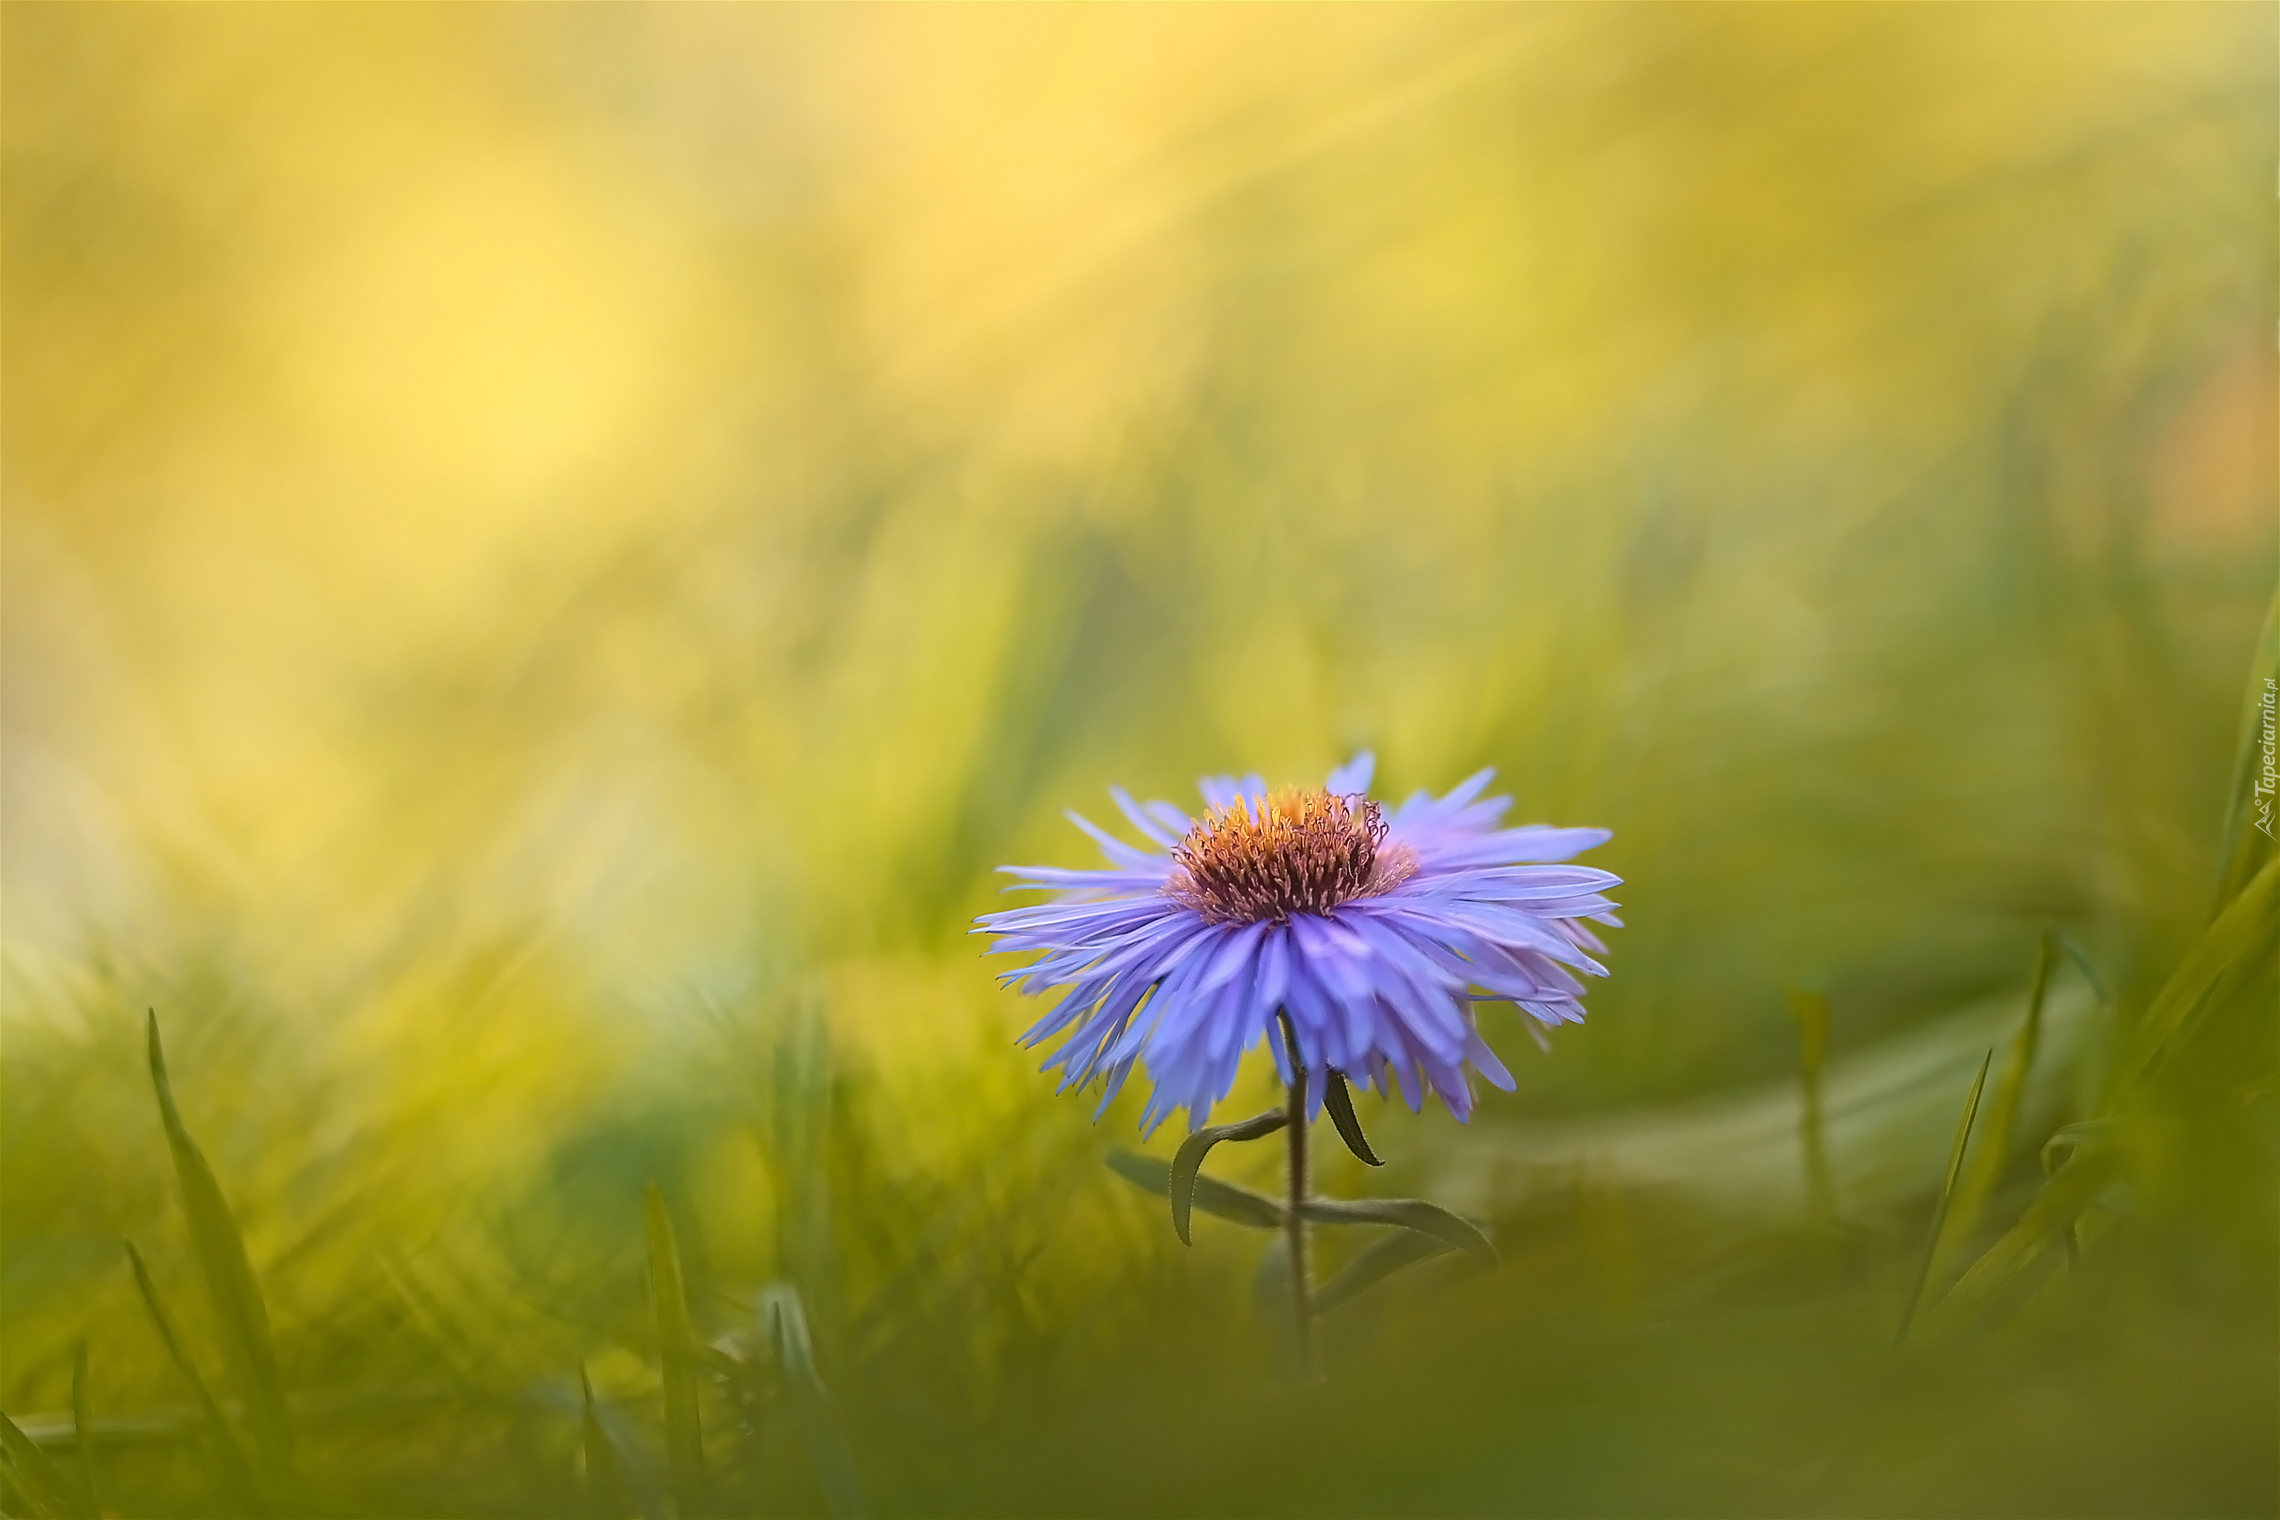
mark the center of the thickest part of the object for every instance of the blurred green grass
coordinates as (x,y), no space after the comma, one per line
(550,552)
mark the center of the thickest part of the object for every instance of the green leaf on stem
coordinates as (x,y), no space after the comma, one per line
(1410,1214)
(1221,1200)
(1340,1102)
(1187,1165)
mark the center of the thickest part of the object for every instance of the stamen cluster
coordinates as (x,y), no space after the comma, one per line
(1292,851)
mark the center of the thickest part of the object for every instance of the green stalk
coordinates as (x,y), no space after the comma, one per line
(1294,1214)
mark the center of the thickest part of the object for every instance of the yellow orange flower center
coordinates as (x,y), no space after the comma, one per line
(1297,850)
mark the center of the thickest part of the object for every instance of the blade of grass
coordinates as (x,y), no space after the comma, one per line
(1947,1192)
(2245,927)
(1409,1214)
(1994,1153)
(786,1318)
(237,1471)
(605,1474)
(38,1476)
(2081,959)
(228,1276)
(676,1342)
(2012,1262)
(1189,1161)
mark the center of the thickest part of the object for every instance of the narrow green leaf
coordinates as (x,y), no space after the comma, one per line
(1994,1152)
(605,1472)
(1947,1192)
(1383,1258)
(2068,1139)
(2081,959)
(1340,1102)
(642,1486)
(676,1341)
(83,1431)
(237,1472)
(2013,1262)
(786,1319)
(228,1276)
(1188,1163)
(2246,927)
(37,1474)
(1221,1200)
(1410,1214)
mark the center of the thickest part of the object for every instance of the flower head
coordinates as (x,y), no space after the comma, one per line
(1378,933)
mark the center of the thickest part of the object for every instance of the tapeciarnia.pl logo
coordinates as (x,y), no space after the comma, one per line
(2265,780)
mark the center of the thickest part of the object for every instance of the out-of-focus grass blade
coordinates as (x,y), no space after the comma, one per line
(2246,927)
(786,1320)
(1947,1193)
(228,1276)
(1188,1163)
(605,1473)
(2011,1262)
(676,1341)
(2248,844)
(1374,1265)
(2063,1145)
(83,1431)
(1340,1101)
(1219,1199)
(1410,1214)
(1986,1168)
(38,1476)
(2081,959)
(237,1472)
(1811,1011)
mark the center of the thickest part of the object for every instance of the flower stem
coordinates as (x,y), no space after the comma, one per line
(1294,1221)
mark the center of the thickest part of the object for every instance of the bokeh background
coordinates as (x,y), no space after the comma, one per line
(550,550)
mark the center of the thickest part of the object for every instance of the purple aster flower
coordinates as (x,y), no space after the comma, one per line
(1376,933)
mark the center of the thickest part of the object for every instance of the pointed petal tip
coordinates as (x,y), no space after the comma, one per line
(1354,776)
